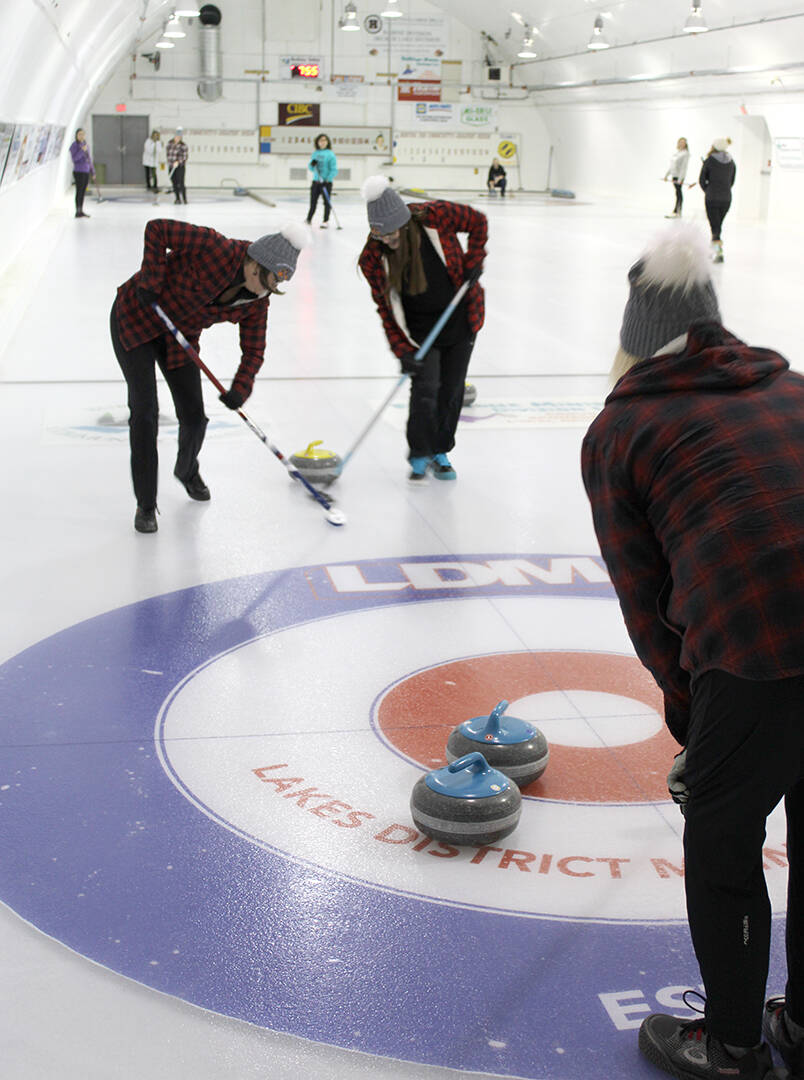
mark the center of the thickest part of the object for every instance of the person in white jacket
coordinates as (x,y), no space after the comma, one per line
(677,171)
(153,154)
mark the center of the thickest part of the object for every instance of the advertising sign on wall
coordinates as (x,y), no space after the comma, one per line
(299,114)
(419,90)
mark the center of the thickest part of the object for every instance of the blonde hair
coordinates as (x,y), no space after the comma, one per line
(622,363)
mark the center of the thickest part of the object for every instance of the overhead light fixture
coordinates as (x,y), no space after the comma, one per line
(188,13)
(526,51)
(598,38)
(391,12)
(348,20)
(173,28)
(166,45)
(695,23)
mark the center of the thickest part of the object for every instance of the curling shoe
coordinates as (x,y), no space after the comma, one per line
(418,471)
(145,520)
(441,468)
(195,487)
(776,1029)
(685,1050)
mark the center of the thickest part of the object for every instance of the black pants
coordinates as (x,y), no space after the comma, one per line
(494,184)
(679,186)
(81,181)
(139,370)
(715,212)
(324,188)
(745,752)
(436,397)
(177,178)
(150,178)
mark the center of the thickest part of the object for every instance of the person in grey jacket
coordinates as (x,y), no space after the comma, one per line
(717,179)
(677,171)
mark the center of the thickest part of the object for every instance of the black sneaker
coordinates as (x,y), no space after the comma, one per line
(195,487)
(776,1032)
(684,1050)
(145,520)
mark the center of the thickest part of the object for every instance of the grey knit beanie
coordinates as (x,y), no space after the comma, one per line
(386,210)
(279,251)
(671,287)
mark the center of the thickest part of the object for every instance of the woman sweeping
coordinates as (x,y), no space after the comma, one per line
(414,263)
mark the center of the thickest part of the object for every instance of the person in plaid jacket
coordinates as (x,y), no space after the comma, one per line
(199,278)
(177,154)
(695,474)
(414,263)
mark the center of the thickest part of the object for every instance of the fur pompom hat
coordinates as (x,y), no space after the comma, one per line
(386,210)
(279,251)
(671,287)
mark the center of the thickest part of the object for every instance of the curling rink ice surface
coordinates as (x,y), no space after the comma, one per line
(209,736)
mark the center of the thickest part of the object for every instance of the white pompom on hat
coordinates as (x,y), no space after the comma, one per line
(280,251)
(387,211)
(671,287)
(721,144)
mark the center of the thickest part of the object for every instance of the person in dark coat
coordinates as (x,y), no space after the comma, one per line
(694,471)
(496,180)
(717,179)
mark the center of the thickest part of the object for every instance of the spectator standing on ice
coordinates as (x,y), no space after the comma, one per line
(83,170)
(177,154)
(677,172)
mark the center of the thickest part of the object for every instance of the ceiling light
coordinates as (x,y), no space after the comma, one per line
(598,38)
(166,45)
(349,19)
(695,23)
(526,51)
(187,13)
(391,12)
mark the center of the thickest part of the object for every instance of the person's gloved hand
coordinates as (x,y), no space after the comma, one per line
(232,398)
(409,365)
(473,275)
(147,296)
(679,792)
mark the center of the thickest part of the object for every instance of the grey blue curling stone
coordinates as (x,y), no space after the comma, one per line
(469,394)
(318,467)
(467,802)
(513,746)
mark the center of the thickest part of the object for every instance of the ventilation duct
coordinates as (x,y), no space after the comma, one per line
(209,86)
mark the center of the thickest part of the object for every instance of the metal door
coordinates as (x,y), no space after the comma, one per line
(116,147)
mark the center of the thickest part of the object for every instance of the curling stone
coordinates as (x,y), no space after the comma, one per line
(469,394)
(513,746)
(318,467)
(467,802)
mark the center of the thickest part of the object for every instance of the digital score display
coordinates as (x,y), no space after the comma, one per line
(305,71)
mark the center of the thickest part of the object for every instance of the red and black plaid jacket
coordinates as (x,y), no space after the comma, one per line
(448,219)
(188,266)
(695,473)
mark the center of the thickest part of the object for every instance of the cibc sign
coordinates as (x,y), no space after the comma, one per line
(299,114)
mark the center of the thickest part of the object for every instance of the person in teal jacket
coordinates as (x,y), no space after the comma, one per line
(324,167)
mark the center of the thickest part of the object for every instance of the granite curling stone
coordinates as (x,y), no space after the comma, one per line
(467,802)
(513,746)
(469,394)
(318,467)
